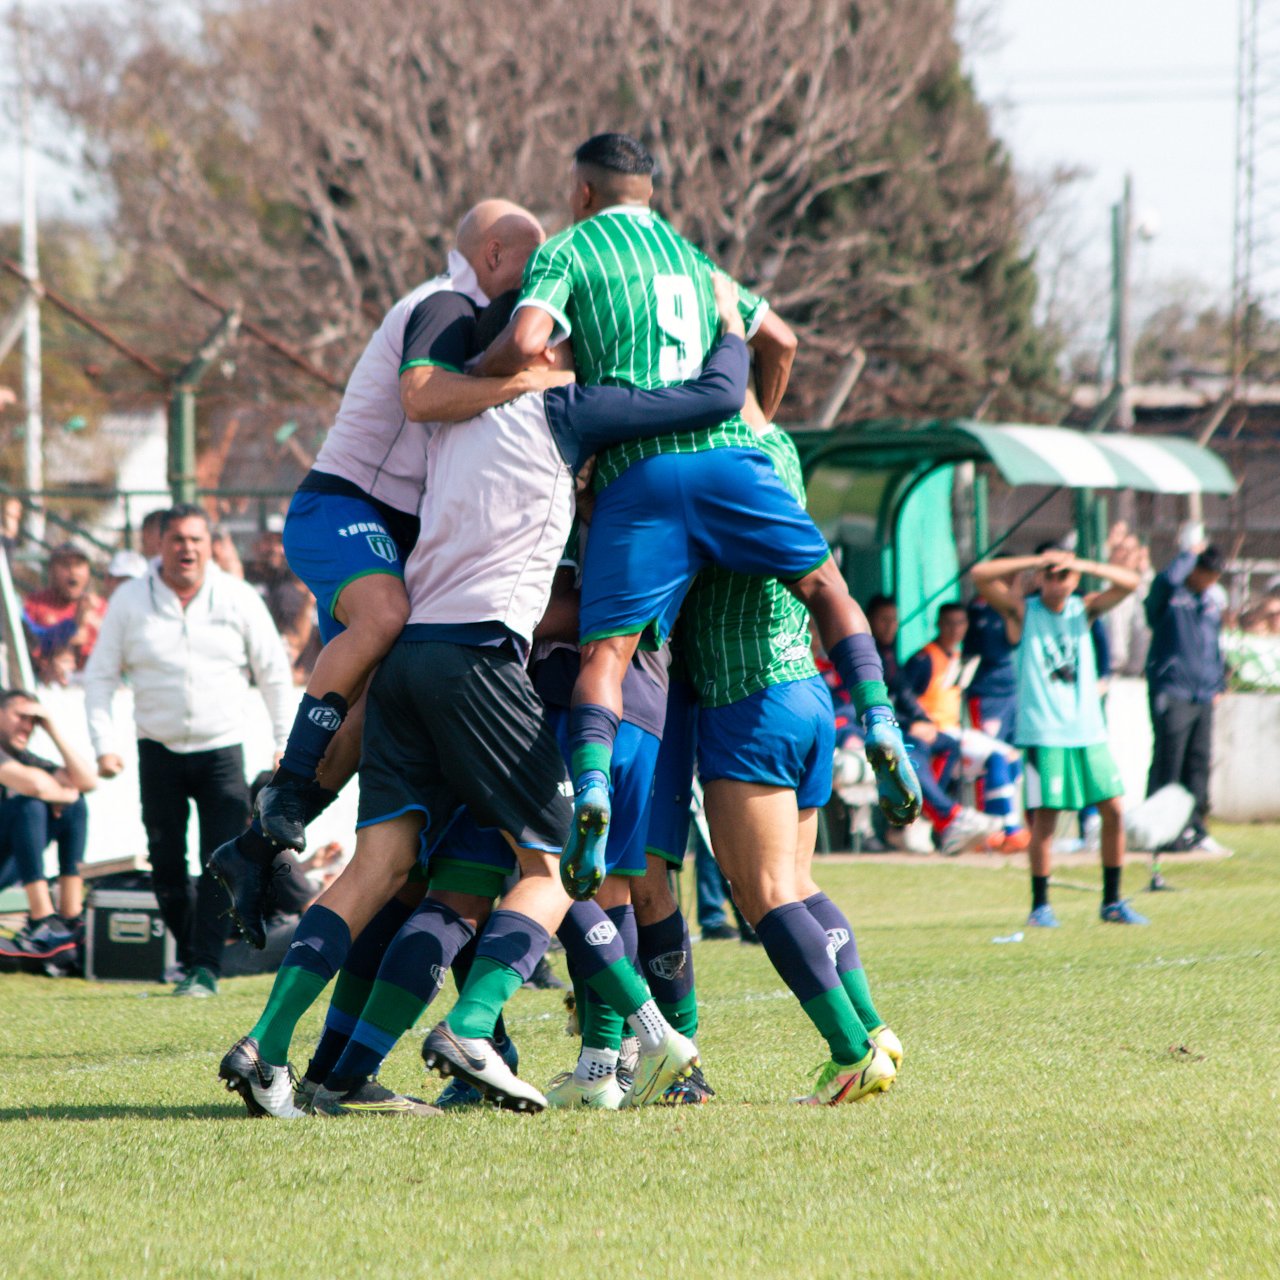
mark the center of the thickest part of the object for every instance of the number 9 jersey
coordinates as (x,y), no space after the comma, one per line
(636,300)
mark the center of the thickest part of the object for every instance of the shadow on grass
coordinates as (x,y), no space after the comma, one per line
(122,1111)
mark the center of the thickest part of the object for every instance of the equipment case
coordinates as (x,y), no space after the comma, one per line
(125,937)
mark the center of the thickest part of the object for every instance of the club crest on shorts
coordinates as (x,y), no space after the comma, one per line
(602,934)
(383,546)
(325,718)
(669,966)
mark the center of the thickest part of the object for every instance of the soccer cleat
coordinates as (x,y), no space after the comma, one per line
(674,1059)
(478,1062)
(1120,913)
(693,1091)
(883,1038)
(722,932)
(896,781)
(458,1093)
(837,1083)
(283,808)
(199,983)
(247,883)
(1042,918)
(265,1089)
(304,1095)
(369,1098)
(1011,842)
(566,1090)
(582,862)
(969,829)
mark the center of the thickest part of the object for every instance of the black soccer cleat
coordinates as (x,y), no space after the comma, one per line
(266,1090)
(371,1098)
(285,806)
(247,883)
(691,1091)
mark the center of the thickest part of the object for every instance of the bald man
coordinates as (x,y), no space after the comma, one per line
(354,521)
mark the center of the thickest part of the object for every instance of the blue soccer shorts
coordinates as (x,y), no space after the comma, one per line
(470,859)
(671,807)
(330,540)
(635,753)
(783,736)
(668,516)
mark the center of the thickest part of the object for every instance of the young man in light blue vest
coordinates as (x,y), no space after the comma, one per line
(1060,723)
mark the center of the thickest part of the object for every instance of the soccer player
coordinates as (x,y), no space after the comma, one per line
(354,521)
(934,676)
(453,720)
(1060,724)
(636,301)
(766,734)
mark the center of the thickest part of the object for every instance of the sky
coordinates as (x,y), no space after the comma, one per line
(1144,87)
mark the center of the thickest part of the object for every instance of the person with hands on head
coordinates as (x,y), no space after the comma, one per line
(41,803)
(1060,725)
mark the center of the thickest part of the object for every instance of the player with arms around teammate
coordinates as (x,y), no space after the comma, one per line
(354,521)
(1060,724)
(637,301)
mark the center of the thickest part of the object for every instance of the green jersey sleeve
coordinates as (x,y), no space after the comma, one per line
(750,307)
(548,281)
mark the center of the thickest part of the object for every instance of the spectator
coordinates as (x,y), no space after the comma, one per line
(63,617)
(934,675)
(1060,723)
(1128,635)
(185,635)
(151,533)
(41,803)
(225,555)
(1185,675)
(124,566)
(11,525)
(956,827)
(992,693)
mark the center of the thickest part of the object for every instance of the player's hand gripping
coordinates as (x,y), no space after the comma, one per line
(726,292)
(900,796)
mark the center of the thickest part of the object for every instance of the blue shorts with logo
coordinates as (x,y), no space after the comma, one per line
(783,736)
(635,752)
(469,858)
(331,540)
(671,806)
(668,516)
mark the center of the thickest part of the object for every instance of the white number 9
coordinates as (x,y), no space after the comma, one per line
(680,320)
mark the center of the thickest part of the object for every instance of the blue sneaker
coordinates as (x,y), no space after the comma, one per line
(582,862)
(458,1093)
(1043,918)
(1120,913)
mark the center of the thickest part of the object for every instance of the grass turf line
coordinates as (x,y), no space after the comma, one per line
(1041,1124)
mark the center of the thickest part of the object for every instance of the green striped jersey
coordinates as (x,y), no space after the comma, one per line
(742,634)
(635,298)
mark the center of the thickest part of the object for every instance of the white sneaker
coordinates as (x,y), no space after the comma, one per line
(266,1090)
(566,1090)
(969,829)
(480,1064)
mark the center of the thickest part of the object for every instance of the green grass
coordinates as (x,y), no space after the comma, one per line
(1041,1125)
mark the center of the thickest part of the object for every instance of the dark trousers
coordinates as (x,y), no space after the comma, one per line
(29,826)
(169,781)
(1183,741)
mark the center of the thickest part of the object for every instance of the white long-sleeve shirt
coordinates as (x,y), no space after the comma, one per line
(188,668)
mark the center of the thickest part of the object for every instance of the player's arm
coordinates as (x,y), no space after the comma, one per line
(560,620)
(1008,603)
(586,420)
(1121,582)
(542,315)
(774,344)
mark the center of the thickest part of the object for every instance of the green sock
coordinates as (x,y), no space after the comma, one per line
(620,987)
(682,1014)
(488,987)
(392,1009)
(602,1028)
(350,994)
(833,1015)
(294,992)
(590,757)
(858,990)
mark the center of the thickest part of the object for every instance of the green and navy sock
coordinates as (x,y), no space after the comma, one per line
(506,956)
(314,726)
(796,944)
(592,732)
(666,961)
(848,963)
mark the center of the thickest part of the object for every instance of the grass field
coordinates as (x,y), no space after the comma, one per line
(1096,1100)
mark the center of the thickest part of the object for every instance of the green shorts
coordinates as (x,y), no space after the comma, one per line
(1071,778)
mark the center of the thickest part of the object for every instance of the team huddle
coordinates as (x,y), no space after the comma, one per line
(561,557)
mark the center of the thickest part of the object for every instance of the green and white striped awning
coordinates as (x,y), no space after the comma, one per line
(1023,454)
(1090,460)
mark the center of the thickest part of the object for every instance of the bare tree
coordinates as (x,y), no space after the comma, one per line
(311,158)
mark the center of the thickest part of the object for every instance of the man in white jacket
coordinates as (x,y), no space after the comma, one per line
(187,637)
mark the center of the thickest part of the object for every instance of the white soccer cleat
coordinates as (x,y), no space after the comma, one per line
(266,1090)
(656,1071)
(479,1063)
(566,1090)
